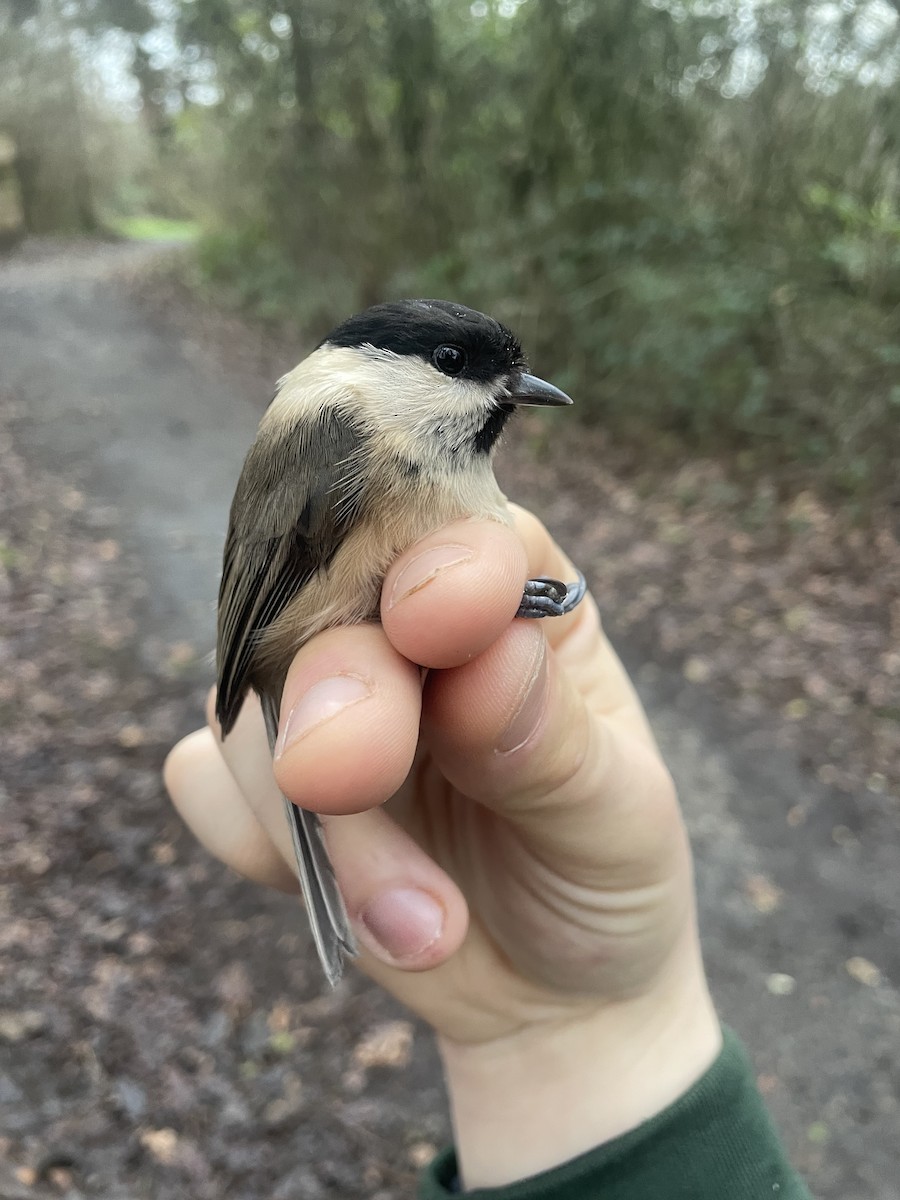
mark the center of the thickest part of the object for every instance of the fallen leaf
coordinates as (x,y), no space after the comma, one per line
(780,984)
(180,654)
(420,1154)
(131,736)
(140,944)
(842,836)
(235,989)
(863,971)
(162,1144)
(279,1019)
(697,670)
(764,895)
(282,1042)
(818,1133)
(796,618)
(38,863)
(17,1025)
(816,686)
(796,709)
(388,1045)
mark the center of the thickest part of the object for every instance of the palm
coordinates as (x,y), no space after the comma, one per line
(547,934)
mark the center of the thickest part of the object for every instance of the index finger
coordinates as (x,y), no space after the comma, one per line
(455,592)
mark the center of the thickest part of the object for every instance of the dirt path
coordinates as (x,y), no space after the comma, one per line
(160,1044)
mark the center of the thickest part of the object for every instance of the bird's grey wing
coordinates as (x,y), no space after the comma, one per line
(295,499)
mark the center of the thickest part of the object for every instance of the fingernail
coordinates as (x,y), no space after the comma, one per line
(530,707)
(319,704)
(424,567)
(403,922)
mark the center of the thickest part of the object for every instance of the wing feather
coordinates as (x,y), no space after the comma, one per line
(295,499)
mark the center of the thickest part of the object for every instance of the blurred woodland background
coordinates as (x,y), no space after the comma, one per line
(689,209)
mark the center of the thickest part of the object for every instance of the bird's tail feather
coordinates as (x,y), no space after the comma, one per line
(321,894)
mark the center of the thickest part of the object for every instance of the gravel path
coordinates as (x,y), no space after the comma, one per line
(166,1035)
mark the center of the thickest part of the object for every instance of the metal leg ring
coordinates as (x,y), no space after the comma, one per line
(545,597)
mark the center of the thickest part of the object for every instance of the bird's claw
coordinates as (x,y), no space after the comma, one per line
(544,597)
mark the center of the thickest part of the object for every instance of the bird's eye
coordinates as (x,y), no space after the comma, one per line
(450,360)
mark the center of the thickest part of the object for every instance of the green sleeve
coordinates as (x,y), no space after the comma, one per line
(715,1141)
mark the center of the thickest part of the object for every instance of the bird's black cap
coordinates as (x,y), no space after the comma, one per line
(418,327)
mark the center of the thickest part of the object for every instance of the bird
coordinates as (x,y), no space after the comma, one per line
(382,435)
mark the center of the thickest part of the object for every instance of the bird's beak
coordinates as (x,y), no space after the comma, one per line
(528,389)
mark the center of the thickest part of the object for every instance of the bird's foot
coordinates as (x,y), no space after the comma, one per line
(545,597)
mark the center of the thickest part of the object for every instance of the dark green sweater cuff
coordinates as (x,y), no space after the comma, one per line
(716,1140)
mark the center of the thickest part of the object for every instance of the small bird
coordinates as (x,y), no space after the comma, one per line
(381,436)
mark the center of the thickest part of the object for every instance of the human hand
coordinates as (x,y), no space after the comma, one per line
(515,867)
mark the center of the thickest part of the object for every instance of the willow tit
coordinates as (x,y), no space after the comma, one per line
(381,436)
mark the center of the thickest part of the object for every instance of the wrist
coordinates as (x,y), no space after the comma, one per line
(539,1097)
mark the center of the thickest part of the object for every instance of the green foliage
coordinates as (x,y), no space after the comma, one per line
(154,229)
(46,104)
(689,211)
(703,261)
(246,269)
(862,241)
(686,336)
